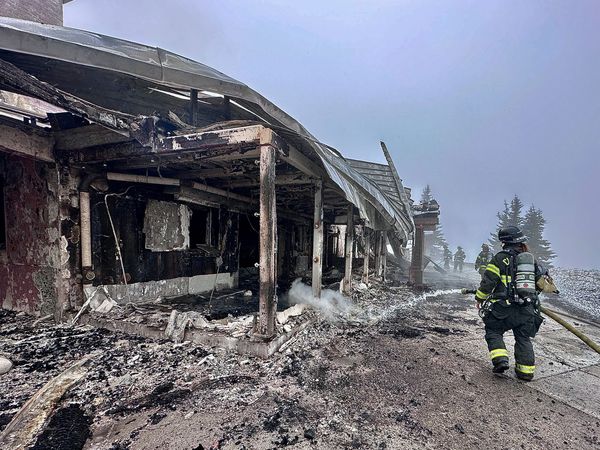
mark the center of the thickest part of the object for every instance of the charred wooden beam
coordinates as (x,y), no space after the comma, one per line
(87,136)
(27,143)
(317,265)
(248,136)
(268,235)
(14,79)
(222,192)
(288,180)
(209,173)
(304,164)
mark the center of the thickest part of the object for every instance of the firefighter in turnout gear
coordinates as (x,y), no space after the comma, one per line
(459,258)
(508,300)
(483,259)
(447,257)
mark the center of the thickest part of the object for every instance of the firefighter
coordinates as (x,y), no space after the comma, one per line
(507,299)
(483,259)
(447,257)
(459,258)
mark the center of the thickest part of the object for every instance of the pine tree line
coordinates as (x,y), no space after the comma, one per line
(532,224)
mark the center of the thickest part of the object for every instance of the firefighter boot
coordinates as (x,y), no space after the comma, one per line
(499,357)
(500,365)
(524,372)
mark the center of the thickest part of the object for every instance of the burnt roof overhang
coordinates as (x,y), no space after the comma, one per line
(64,48)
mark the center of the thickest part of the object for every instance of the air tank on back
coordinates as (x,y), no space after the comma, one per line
(525,276)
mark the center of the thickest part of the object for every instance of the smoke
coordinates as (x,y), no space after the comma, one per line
(332,304)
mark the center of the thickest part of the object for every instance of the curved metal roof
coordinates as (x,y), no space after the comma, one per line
(93,50)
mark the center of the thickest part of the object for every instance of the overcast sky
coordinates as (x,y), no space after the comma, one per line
(480,99)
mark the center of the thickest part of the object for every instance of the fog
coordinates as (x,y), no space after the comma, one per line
(482,100)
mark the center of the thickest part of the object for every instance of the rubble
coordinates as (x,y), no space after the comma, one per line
(384,374)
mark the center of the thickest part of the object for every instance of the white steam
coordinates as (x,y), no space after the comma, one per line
(335,306)
(332,304)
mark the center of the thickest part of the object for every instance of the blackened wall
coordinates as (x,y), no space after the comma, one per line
(141,265)
(30,263)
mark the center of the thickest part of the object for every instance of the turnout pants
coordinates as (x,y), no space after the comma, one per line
(524,323)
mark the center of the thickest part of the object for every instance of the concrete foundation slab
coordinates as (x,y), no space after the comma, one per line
(242,345)
(577,389)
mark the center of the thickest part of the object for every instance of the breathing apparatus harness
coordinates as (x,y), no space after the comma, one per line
(520,283)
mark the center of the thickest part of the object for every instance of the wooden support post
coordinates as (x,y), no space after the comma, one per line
(416,265)
(209,222)
(377,250)
(194,107)
(317,265)
(383,254)
(268,235)
(347,286)
(367,252)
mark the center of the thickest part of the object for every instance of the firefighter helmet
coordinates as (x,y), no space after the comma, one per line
(511,235)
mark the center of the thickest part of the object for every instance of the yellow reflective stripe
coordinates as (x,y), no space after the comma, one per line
(498,352)
(506,279)
(493,268)
(480,295)
(525,369)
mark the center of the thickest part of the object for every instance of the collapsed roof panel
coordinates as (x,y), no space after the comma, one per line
(57,50)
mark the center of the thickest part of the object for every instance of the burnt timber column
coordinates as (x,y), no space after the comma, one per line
(268,233)
(347,287)
(317,265)
(383,254)
(416,266)
(426,221)
(367,253)
(377,253)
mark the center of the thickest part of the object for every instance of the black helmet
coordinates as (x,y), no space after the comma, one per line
(511,235)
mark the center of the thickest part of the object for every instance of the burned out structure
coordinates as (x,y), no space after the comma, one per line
(132,172)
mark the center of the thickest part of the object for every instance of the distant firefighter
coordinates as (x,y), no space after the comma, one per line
(483,259)
(447,257)
(459,259)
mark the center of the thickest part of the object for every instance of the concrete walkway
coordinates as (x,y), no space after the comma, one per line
(566,369)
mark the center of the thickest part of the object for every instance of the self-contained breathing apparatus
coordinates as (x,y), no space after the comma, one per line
(520,283)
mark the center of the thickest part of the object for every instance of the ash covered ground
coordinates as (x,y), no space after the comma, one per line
(383,373)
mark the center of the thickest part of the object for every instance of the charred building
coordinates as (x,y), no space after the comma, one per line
(132,174)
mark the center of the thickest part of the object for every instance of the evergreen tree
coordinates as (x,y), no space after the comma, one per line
(438,241)
(503,222)
(426,195)
(533,227)
(516,207)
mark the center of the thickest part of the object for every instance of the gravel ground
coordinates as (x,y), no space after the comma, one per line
(386,374)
